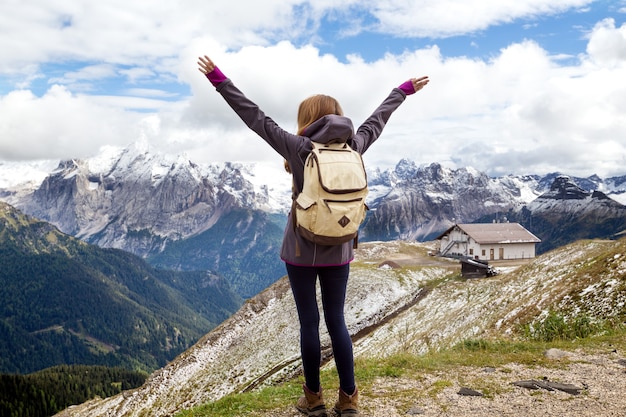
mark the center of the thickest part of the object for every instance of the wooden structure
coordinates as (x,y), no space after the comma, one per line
(472,268)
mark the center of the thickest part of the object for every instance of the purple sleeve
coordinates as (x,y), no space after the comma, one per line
(216,77)
(407,87)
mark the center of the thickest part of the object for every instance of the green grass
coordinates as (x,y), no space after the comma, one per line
(243,404)
(557,326)
(477,353)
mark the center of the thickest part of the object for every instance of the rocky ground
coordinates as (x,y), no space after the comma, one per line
(599,379)
(592,384)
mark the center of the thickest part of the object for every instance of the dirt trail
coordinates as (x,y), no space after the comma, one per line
(601,375)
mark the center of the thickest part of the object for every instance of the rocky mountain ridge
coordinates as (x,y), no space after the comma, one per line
(148,204)
(138,201)
(420,203)
(567,213)
(122,193)
(155,206)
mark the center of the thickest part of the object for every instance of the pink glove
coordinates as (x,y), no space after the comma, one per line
(407,87)
(216,77)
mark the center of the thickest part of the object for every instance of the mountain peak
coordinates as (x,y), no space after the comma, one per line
(405,168)
(564,188)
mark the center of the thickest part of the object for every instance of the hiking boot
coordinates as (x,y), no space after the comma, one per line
(311,403)
(347,405)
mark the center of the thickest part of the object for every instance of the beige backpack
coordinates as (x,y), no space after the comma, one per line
(331,206)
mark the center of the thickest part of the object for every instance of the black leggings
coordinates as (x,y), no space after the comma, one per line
(333,282)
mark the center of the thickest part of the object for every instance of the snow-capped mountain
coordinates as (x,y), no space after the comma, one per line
(122,191)
(154,197)
(439,181)
(419,203)
(566,195)
(269,182)
(177,214)
(567,212)
(147,203)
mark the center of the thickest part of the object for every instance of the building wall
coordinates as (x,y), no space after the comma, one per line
(466,246)
(460,245)
(501,251)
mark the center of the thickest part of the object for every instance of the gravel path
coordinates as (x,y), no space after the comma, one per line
(602,378)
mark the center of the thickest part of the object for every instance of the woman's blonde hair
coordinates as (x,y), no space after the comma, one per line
(315,107)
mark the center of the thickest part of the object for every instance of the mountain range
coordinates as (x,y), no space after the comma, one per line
(155,207)
(228,218)
(567,213)
(420,203)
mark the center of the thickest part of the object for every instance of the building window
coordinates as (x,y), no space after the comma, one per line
(484,252)
(471,251)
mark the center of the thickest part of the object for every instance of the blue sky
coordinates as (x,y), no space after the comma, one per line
(561,33)
(521,87)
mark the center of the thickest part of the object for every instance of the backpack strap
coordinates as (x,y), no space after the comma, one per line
(294,195)
(295,229)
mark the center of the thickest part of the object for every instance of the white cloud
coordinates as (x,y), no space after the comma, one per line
(142,32)
(445,18)
(60,125)
(87,73)
(607,44)
(522,110)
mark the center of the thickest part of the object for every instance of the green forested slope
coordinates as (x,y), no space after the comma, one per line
(66,302)
(46,392)
(244,245)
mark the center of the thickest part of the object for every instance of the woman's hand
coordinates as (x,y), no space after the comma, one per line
(414,85)
(205,64)
(419,83)
(208,68)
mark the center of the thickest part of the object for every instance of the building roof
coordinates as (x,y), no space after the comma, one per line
(485,233)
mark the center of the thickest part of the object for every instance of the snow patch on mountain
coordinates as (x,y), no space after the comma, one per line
(104,162)
(271,180)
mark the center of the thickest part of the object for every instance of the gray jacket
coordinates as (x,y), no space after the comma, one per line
(294,148)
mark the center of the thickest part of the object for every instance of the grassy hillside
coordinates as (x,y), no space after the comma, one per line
(581,315)
(66,302)
(406,383)
(402,308)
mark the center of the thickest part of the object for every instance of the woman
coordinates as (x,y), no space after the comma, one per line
(320,119)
